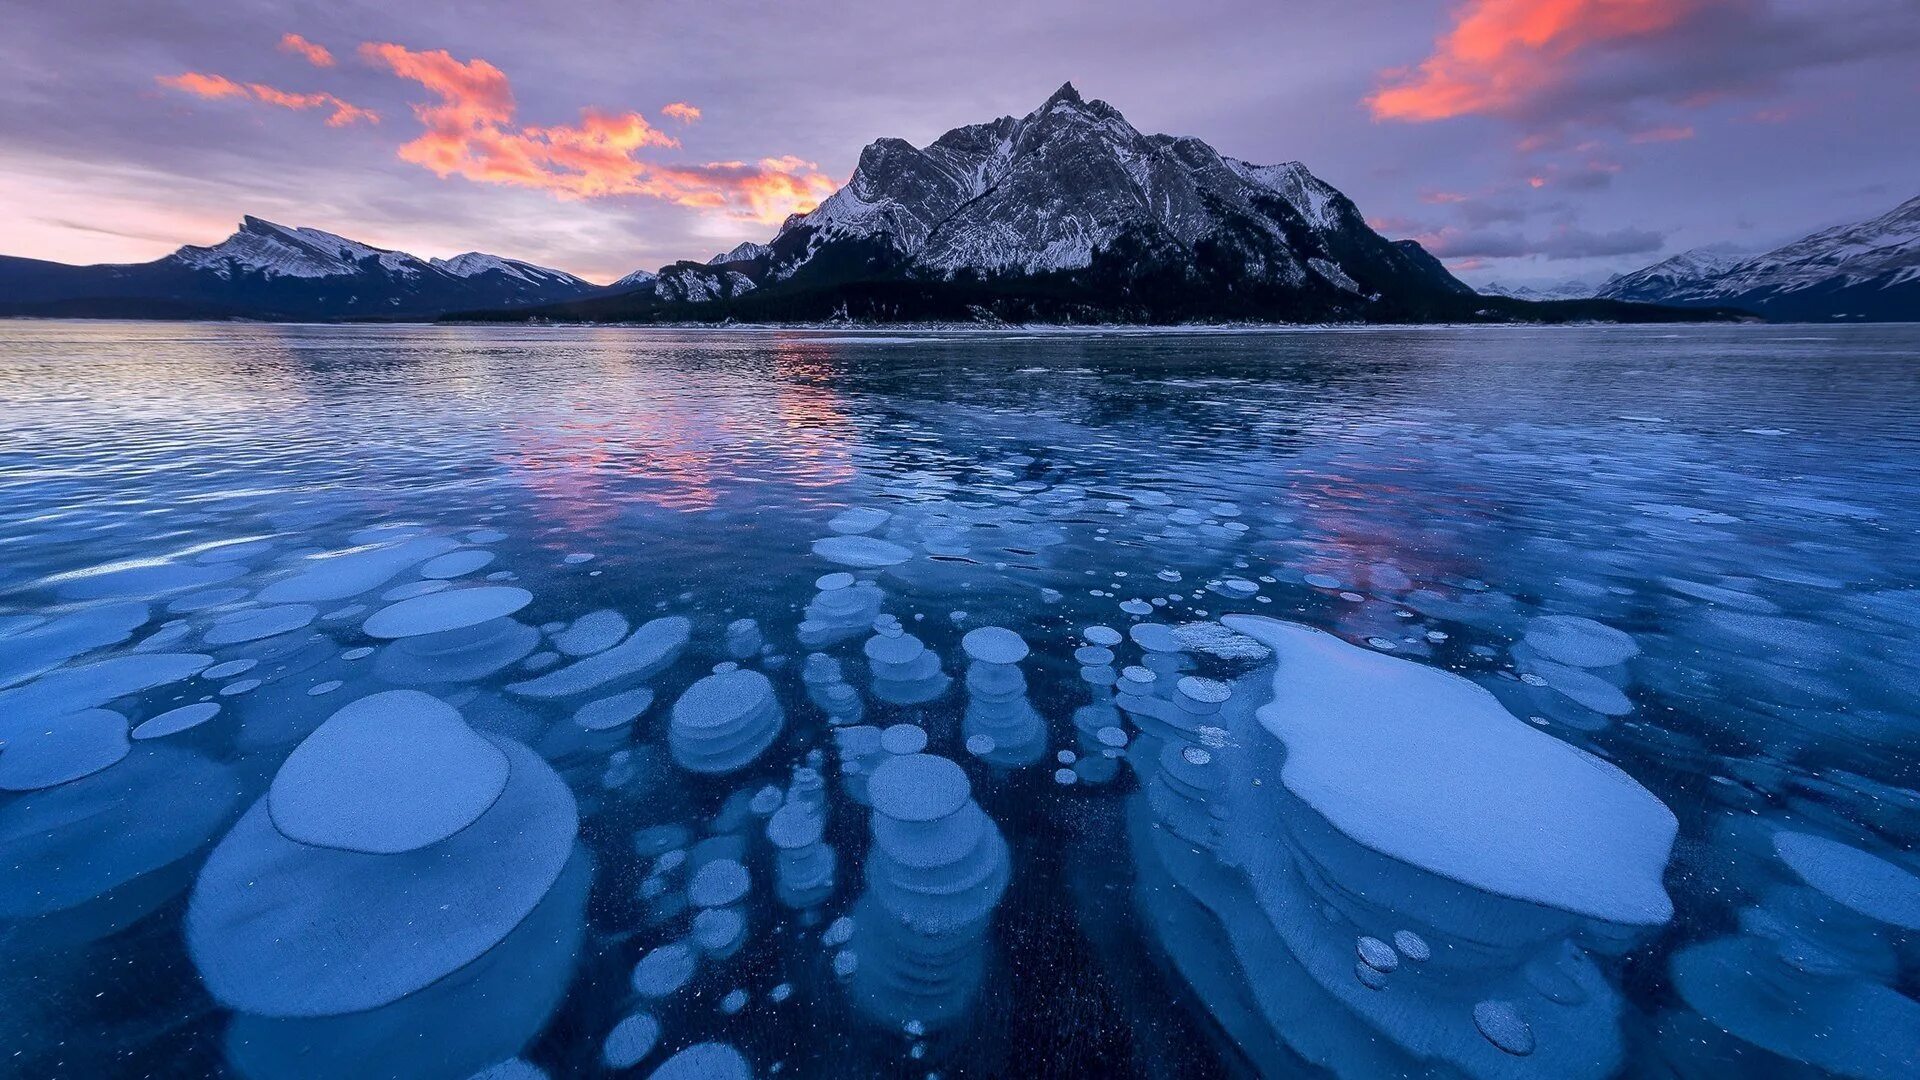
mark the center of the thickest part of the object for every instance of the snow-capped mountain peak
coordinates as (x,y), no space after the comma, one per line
(635,280)
(745,251)
(1071,183)
(271,250)
(472,263)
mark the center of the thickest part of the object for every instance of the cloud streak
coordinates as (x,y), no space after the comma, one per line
(317,55)
(213,87)
(470,132)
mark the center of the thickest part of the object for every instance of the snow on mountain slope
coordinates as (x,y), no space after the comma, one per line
(1072,183)
(475,263)
(273,250)
(745,251)
(1686,274)
(1865,271)
(635,280)
(1565,290)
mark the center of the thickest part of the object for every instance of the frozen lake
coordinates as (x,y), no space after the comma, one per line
(1493,703)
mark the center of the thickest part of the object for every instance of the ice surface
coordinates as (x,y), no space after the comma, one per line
(1426,767)
(391,772)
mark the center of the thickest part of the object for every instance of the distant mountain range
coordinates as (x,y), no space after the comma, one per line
(1067,214)
(1866,272)
(1070,214)
(272,271)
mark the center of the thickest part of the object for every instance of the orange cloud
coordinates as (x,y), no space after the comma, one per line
(212,87)
(681,111)
(317,55)
(470,132)
(1502,53)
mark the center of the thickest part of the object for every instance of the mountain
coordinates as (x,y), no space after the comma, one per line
(1670,277)
(1866,272)
(1070,214)
(266,270)
(1565,290)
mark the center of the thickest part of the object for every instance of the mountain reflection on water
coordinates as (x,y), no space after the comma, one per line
(425,702)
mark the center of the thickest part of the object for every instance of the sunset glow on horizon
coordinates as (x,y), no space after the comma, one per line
(1576,136)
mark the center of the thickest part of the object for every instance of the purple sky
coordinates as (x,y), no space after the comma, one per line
(1525,140)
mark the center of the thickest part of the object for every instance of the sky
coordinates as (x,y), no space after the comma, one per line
(1528,141)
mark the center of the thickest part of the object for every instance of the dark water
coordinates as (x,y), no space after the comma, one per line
(1688,553)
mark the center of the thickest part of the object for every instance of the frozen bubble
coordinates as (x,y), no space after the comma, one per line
(1065,776)
(234,689)
(1322,581)
(1136,607)
(229,669)
(981,745)
(1137,678)
(1155,637)
(278,928)
(1093,656)
(1066,757)
(617,711)
(360,652)
(735,1001)
(456,563)
(718,883)
(1501,1023)
(511,1069)
(1239,587)
(61,749)
(1857,879)
(1369,978)
(705,1061)
(767,800)
(1205,691)
(1412,946)
(1101,635)
(578,557)
(1377,954)
(257,623)
(651,648)
(391,772)
(1583,688)
(904,739)
(1216,640)
(719,930)
(1195,755)
(833,582)
(994,645)
(200,601)
(780,993)
(594,632)
(861,552)
(845,963)
(664,970)
(338,575)
(895,649)
(1427,768)
(630,1040)
(918,788)
(454,609)
(724,721)
(174,721)
(1112,736)
(1579,642)
(857,519)
(486,536)
(795,826)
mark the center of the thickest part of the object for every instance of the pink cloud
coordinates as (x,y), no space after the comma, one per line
(470,132)
(215,87)
(317,55)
